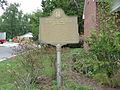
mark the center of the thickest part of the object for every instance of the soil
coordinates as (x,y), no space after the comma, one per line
(81,80)
(76,77)
(44,82)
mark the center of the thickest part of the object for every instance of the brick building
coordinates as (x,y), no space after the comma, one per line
(90,16)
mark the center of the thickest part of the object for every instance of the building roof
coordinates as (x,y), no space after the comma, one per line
(27,35)
(116,4)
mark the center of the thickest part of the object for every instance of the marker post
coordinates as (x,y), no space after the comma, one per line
(58,64)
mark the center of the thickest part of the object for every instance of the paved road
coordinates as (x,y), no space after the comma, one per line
(5,52)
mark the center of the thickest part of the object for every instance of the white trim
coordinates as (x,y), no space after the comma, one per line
(116,6)
(83,16)
(84,9)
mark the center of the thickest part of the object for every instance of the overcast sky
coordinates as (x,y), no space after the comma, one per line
(27,6)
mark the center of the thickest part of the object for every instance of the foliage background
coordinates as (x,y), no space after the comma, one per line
(15,23)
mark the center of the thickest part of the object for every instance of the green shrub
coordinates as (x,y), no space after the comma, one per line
(103,78)
(102,60)
(105,43)
(79,53)
(102,71)
(87,63)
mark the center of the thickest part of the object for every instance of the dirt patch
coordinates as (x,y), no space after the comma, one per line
(81,80)
(44,81)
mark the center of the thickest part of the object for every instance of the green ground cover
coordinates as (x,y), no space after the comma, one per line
(6,82)
(7,79)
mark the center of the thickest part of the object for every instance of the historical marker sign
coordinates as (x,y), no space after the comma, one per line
(58,28)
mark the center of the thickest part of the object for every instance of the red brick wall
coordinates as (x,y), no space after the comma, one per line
(90,19)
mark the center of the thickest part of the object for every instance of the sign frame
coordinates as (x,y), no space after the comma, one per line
(59,28)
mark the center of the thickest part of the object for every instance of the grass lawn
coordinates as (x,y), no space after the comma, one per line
(7,83)
(5,79)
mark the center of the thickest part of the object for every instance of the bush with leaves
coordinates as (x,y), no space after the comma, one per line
(102,60)
(103,71)
(105,42)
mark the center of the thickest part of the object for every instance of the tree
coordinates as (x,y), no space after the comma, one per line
(71,7)
(34,23)
(14,23)
(2,3)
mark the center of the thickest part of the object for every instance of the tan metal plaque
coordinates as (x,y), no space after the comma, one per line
(58,28)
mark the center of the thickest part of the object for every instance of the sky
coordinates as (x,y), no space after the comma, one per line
(27,6)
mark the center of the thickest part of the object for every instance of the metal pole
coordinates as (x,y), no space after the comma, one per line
(58,64)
